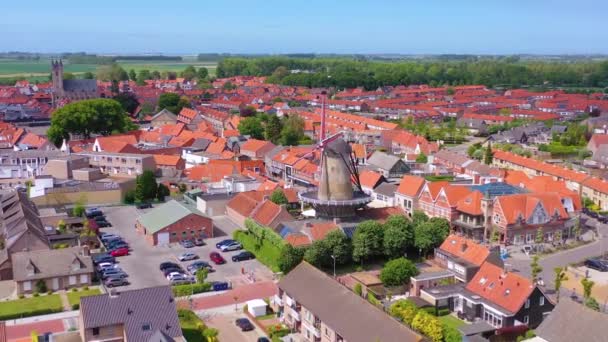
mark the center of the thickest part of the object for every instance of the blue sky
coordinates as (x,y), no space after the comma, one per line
(331,26)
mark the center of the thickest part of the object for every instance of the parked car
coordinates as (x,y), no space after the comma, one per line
(103,224)
(112,282)
(245,255)
(172,275)
(170,270)
(193,267)
(263,339)
(99,218)
(217,258)
(223,242)
(187,256)
(114,242)
(220,285)
(108,237)
(181,280)
(167,264)
(244,324)
(597,264)
(100,258)
(106,266)
(144,206)
(187,243)
(199,242)
(119,252)
(93,213)
(114,273)
(232,246)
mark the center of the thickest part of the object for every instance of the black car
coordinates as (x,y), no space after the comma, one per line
(244,324)
(114,242)
(117,246)
(99,218)
(224,242)
(263,339)
(94,213)
(245,255)
(144,206)
(103,224)
(167,264)
(98,259)
(597,264)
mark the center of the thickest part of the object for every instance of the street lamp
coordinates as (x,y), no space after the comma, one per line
(334,258)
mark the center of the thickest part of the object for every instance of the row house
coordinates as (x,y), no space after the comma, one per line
(408,192)
(213,117)
(440,199)
(25,164)
(461,256)
(120,164)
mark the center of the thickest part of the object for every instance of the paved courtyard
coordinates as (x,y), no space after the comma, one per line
(143,261)
(228,331)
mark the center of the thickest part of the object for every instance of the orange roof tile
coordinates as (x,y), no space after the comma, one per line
(166,160)
(410,185)
(297,239)
(471,203)
(370,179)
(216,147)
(320,229)
(465,249)
(254,145)
(266,212)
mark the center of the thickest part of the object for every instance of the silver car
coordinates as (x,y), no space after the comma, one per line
(187,256)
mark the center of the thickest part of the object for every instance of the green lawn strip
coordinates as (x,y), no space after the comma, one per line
(74,297)
(190,326)
(451,321)
(34,306)
(266,253)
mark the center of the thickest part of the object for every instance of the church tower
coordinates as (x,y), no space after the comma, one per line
(57,78)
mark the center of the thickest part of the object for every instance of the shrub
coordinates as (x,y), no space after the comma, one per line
(41,286)
(75,306)
(85,288)
(277,331)
(372,299)
(188,289)
(36,294)
(49,292)
(21,296)
(358,289)
(405,310)
(397,272)
(443,312)
(74,289)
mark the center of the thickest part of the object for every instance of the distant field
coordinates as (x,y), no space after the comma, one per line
(39,70)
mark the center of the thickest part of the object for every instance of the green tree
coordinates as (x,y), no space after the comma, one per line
(398,235)
(145,187)
(132,75)
(61,226)
(142,76)
(422,158)
(339,246)
(162,192)
(536,269)
(471,149)
(419,217)
(68,76)
(318,253)
(278,197)
(202,73)
(539,235)
(128,102)
(368,241)
(431,234)
(293,130)
(397,272)
(88,76)
(274,126)
(87,117)
(155,75)
(130,197)
(592,304)
(560,276)
(251,126)
(172,102)
(290,258)
(201,275)
(358,289)
(112,72)
(587,287)
(189,73)
(41,286)
(78,209)
(489,155)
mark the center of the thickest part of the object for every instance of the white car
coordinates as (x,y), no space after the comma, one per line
(232,246)
(173,275)
(106,265)
(181,279)
(187,256)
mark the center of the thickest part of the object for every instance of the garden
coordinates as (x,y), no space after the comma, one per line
(437,325)
(194,329)
(33,306)
(75,295)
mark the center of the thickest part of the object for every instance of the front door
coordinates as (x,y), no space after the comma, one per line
(55,284)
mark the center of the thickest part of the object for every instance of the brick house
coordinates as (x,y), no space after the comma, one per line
(173,222)
(406,196)
(461,256)
(256,149)
(439,199)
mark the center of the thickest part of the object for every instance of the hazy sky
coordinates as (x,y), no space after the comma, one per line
(340,26)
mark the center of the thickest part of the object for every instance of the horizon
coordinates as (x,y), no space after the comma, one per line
(270,27)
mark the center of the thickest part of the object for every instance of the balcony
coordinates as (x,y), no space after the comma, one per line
(315,331)
(295,315)
(277,300)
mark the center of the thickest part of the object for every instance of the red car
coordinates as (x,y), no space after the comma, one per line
(217,258)
(119,252)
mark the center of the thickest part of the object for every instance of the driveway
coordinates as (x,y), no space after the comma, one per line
(228,331)
(143,261)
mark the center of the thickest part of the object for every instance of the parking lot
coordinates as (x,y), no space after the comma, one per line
(142,264)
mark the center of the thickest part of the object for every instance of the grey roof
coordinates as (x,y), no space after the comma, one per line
(342,310)
(160,336)
(601,154)
(166,214)
(383,160)
(154,306)
(50,263)
(558,128)
(200,144)
(475,328)
(165,111)
(89,86)
(571,321)
(386,189)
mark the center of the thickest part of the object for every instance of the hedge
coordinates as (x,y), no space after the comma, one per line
(189,289)
(27,307)
(266,252)
(264,233)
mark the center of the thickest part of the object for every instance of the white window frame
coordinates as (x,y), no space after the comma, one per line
(528,303)
(541,301)
(526,319)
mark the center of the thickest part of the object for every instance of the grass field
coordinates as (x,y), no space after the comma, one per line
(451,321)
(33,306)
(190,324)
(74,297)
(39,70)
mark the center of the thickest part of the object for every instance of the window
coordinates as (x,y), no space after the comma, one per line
(95,331)
(526,319)
(541,301)
(146,327)
(173,234)
(527,303)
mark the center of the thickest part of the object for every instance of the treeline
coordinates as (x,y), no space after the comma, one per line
(349,73)
(83,58)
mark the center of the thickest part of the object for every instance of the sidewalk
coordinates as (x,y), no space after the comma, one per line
(42,318)
(240,294)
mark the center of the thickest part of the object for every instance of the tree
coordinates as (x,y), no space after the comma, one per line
(162,192)
(201,275)
(172,102)
(293,130)
(247,111)
(132,75)
(592,304)
(419,217)
(560,276)
(422,158)
(431,234)
(128,102)
(68,76)
(358,289)
(489,155)
(539,235)
(397,272)
(478,154)
(61,226)
(112,72)
(79,209)
(587,287)
(202,73)
(536,269)
(87,117)
(274,126)
(155,75)
(251,126)
(189,73)
(471,149)
(290,258)
(278,197)
(398,235)
(368,240)
(130,197)
(142,76)
(339,246)
(145,187)
(88,76)
(318,253)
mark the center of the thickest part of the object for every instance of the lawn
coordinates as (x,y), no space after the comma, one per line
(451,321)
(190,324)
(33,306)
(439,178)
(74,297)
(267,253)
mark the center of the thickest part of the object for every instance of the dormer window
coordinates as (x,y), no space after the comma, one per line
(491,286)
(483,280)
(146,327)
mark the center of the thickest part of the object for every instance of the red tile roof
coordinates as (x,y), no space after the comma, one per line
(465,249)
(410,185)
(370,179)
(320,229)
(254,145)
(471,204)
(266,212)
